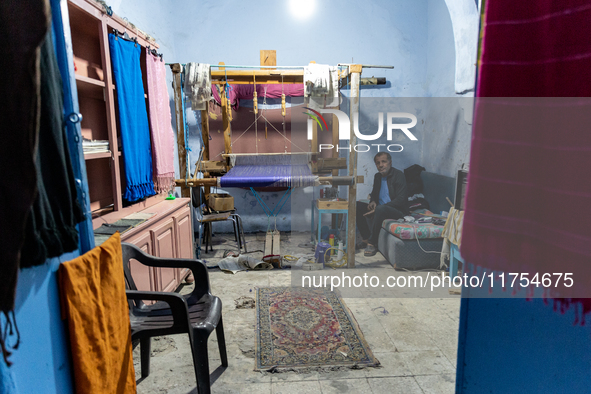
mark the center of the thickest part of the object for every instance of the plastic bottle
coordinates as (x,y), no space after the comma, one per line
(340,252)
(331,242)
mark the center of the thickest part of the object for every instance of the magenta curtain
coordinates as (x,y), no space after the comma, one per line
(528,203)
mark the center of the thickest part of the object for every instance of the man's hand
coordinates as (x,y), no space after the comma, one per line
(371,207)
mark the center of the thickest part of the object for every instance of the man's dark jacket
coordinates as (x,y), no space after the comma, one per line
(396,188)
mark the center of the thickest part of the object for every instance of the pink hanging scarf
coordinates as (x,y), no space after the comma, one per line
(528,204)
(160,124)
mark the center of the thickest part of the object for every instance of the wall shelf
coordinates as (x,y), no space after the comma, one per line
(90,87)
(98,155)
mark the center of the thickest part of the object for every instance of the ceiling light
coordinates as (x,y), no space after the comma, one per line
(302,9)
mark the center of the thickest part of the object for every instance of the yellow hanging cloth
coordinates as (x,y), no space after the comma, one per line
(92,294)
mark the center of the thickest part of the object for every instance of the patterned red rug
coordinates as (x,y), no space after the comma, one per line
(307,328)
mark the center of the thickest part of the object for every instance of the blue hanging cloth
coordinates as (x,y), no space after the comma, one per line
(133,118)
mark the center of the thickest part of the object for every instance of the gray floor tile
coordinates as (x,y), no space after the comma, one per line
(392,365)
(354,386)
(437,384)
(243,388)
(395,386)
(307,387)
(427,362)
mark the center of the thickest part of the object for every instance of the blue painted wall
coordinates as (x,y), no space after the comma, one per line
(42,361)
(520,346)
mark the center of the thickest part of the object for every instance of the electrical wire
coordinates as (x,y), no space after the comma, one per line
(335,263)
(426,251)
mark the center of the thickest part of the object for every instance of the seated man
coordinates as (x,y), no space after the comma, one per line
(388,200)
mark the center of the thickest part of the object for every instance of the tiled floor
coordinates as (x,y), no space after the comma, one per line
(415,341)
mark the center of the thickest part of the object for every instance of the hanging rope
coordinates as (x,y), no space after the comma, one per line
(264,104)
(227,89)
(255,106)
(283,110)
(261,115)
(187,148)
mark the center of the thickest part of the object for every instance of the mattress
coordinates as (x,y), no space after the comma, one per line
(421,228)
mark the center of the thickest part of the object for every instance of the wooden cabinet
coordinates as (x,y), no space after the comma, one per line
(163,237)
(184,228)
(143,276)
(169,233)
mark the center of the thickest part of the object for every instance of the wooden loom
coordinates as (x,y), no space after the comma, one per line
(264,76)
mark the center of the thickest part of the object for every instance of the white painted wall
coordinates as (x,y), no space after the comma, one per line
(465,18)
(415,36)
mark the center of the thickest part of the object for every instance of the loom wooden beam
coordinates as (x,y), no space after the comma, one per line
(261,75)
(270,81)
(196,182)
(314,137)
(340,180)
(205,135)
(226,108)
(335,155)
(180,125)
(355,71)
(335,140)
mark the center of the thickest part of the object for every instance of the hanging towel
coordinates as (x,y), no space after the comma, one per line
(92,295)
(528,198)
(133,118)
(160,124)
(51,225)
(25,24)
(332,97)
(316,79)
(198,85)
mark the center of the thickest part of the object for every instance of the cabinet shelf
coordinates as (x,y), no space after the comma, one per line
(90,87)
(98,155)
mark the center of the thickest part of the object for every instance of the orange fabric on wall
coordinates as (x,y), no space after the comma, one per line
(93,300)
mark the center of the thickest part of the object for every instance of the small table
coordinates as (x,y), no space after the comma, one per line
(332,211)
(454,258)
(452,232)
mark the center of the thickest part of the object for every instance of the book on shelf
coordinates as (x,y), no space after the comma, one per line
(95,146)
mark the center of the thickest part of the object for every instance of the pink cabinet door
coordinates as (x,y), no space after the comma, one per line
(143,276)
(184,238)
(163,236)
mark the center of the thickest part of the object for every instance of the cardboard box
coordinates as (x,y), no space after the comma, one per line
(325,203)
(220,202)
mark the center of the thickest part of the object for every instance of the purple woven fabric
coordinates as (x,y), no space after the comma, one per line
(268,176)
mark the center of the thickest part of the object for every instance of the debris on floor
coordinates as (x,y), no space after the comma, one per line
(234,264)
(244,302)
(383,311)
